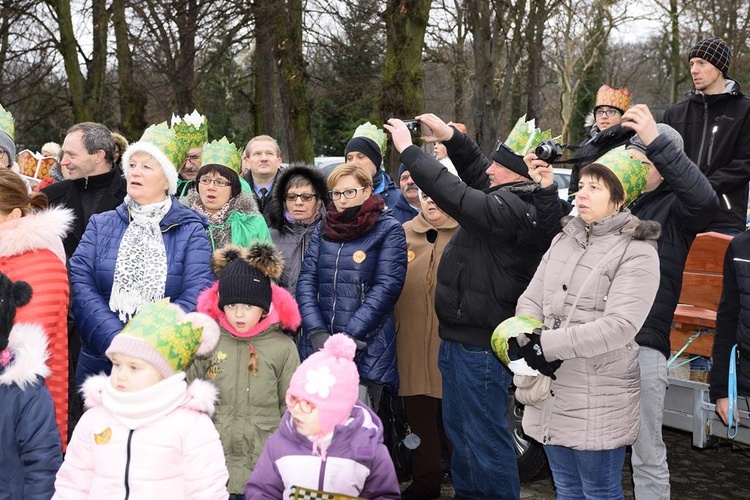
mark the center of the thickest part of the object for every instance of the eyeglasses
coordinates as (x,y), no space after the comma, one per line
(606,112)
(306,197)
(218,182)
(304,405)
(194,158)
(348,194)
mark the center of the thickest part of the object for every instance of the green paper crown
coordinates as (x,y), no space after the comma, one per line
(631,172)
(192,132)
(525,136)
(7,123)
(165,139)
(159,325)
(511,327)
(222,152)
(372,132)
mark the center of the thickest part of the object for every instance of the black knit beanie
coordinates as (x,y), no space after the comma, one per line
(715,51)
(367,147)
(509,159)
(241,283)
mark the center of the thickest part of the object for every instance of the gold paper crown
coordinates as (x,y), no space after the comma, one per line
(631,172)
(613,97)
(191,131)
(7,123)
(222,152)
(525,136)
(372,132)
(165,139)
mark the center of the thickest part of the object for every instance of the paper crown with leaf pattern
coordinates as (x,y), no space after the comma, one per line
(631,172)
(166,337)
(222,152)
(7,123)
(523,137)
(191,130)
(373,133)
(160,142)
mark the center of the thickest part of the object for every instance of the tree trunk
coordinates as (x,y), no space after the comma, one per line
(186,19)
(132,98)
(293,82)
(534,44)
(403,71)
(265,70)
(485,117)
(97,64)
(675,59)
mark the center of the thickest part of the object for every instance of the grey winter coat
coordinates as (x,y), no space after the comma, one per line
(594,403)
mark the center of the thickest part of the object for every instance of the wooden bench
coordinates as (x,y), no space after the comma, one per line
(702,282)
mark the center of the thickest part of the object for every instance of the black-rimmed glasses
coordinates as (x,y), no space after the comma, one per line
(306,197)
(348,193)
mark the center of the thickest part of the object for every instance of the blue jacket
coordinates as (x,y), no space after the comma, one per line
(92,270)
(29,439)
(341,292)
(402,210)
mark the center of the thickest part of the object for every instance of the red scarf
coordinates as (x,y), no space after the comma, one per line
(352,222)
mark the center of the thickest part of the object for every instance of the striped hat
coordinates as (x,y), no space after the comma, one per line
(715,51)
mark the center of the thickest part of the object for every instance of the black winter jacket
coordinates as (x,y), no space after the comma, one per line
(716,130)
(683,204)
(491,258)
(733,320)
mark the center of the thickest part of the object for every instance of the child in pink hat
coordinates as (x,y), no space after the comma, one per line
(326,441)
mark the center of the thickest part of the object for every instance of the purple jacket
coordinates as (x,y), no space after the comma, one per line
(357,462)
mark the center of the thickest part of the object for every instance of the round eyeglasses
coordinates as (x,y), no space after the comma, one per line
(306,197)
(606,112)
(304,405)
(348,193)
(219,182)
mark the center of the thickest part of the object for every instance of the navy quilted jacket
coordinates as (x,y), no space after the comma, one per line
(92,270)
(352,287)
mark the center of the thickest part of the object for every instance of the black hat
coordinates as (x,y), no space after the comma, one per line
(12,296)
(715,51)
(509,159)
(245,274)
(367,147)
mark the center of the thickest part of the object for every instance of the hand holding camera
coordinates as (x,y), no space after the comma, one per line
(639,119)
(539,170)
(399,133)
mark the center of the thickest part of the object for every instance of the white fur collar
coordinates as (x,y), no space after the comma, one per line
(40,230)
(28,343)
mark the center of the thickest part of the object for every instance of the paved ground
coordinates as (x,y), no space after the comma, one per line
(720,472)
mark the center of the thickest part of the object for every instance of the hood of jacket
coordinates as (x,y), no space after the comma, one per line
(623,222)
(243,202)
(284,310)
(202,395)
(29,344)
(177,214)
(277,205)
(42,230)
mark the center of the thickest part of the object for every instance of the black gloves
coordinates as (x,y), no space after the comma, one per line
(318,338)
(534,356)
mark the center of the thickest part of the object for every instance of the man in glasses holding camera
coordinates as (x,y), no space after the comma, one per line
(507,222)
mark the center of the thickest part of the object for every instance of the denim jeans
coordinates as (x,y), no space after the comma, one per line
(649,454)
(593,475)
(475,401)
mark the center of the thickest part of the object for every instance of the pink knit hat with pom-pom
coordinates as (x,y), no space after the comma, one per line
(166,337)
(329,380)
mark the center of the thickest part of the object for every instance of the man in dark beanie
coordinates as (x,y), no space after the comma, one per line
(366,149)
(714,121)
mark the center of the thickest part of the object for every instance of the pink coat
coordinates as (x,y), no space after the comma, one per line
(177,456)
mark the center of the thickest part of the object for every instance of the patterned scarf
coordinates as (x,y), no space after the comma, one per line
(218,217)
(353,222)
(141,267)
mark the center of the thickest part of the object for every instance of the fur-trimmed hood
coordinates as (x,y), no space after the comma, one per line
(276,208)
(29,345)
(646,230)
(283,310)
(40,230)
(202,395)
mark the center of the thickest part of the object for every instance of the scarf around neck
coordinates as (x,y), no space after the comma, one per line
(135,409)
(352,222)
(141,267)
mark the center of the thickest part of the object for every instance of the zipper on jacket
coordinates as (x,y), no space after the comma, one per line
(362,293)
(711,146)
(703,134)
(459,289)
(322,475)
(127,465)
(335,282)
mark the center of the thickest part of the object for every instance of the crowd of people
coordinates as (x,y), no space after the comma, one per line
(234,328)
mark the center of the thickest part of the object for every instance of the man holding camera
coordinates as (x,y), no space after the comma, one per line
(507,223)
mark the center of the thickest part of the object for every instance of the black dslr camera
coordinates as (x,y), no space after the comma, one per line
(549,150)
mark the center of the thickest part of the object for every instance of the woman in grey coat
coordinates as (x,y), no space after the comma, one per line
(299,195)
(592,291)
